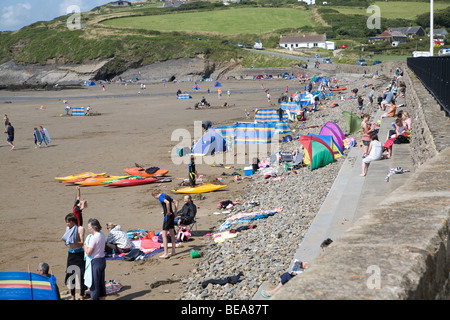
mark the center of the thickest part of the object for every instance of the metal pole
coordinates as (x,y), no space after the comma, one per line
(431,29)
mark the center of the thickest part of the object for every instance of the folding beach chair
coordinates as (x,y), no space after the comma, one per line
(294,165)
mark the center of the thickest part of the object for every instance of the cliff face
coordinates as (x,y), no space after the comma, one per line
(180,69)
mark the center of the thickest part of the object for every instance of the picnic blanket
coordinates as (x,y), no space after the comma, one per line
(143,240)
(247,217)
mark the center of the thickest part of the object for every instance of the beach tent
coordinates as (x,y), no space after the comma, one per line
(217,84)
(184,95)
(353,122)
(269,115)
(27,286)
(331,128)
(210,143)
(317,152)
(329,140)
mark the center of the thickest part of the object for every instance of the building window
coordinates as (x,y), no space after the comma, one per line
(296,45)
(315,44)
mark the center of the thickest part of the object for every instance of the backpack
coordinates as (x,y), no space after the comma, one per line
(183,235)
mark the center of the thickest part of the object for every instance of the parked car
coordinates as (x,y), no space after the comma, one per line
(248,46)
(317,56)
(327,60)
(343,46)
(376,62)
(444,52)
(197,38)
(361,62)
(240,45)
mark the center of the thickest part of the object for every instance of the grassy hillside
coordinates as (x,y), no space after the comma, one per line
(407,10)
(231,21)
(142,35)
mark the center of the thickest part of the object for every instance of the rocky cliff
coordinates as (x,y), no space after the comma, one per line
(12,74)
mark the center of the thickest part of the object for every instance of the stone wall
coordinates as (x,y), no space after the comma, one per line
(430,125)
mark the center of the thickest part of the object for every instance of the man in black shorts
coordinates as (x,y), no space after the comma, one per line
(169,221)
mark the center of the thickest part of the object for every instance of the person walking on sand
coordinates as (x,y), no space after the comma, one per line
(10,132)
(192,172)
(45,135)
(169,221)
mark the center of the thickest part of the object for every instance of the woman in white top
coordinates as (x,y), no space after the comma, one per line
(375,153)
(95,250)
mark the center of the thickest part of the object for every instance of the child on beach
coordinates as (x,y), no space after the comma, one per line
(37,138)
(367,130)
(10,139)
(169,221)
(78,207)
(192,172)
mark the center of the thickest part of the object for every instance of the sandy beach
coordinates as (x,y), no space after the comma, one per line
(130,128)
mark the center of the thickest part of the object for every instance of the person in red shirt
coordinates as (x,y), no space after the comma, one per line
(78,207)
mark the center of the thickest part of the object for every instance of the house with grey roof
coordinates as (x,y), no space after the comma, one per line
(439,33)
(390,36)
(410,32)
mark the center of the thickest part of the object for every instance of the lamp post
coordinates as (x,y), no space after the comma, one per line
(431,29)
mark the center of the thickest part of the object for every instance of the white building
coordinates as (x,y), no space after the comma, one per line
(306,42)
(308,2)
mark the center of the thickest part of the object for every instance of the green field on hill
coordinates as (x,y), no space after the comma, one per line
(408,10)
(225,21)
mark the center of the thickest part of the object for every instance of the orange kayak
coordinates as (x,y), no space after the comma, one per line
(82,179)
(141,172)
(99,181)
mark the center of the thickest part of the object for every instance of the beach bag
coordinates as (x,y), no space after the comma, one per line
(401,139)
(183,235)
(132,255)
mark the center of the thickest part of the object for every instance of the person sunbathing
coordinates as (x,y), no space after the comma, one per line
(284,278)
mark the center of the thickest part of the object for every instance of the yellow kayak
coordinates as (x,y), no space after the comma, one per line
(99,181)
(80,175)
(202,188)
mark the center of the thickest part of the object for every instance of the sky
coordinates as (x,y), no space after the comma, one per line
(15,14)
